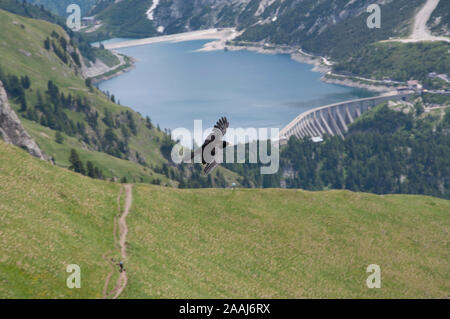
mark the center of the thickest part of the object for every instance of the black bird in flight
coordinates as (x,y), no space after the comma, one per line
(213,142)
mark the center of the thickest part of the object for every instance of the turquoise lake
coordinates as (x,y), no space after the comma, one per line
(174,85)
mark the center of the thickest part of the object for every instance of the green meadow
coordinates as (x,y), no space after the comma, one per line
(214,243)
(50,218)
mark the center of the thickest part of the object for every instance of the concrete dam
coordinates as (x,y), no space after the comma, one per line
(333,119)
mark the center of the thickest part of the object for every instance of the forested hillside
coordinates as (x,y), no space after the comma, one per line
(335,28)
(22,8)
(396,149)
(439,22)
(59,7)
(401,62)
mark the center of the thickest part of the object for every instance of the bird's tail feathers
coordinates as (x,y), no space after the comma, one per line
(210,167)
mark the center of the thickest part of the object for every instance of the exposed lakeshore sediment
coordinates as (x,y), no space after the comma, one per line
(104,73)
(209,34)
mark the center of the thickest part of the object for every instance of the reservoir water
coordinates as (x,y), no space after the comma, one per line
(174,85)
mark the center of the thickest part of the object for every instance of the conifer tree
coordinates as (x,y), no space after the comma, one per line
(76,163)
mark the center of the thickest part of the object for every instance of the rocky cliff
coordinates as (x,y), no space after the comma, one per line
(11,129)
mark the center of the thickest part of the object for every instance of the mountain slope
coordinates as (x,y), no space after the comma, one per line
(214,243)
(439,22)
(58,100)
(50,218)
(127,19)
(334,28)
(23,49)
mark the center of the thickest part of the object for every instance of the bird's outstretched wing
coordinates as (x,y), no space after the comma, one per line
(222,125)
(220,129)
(216,137)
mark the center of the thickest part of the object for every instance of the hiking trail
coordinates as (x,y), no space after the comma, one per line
(121,243)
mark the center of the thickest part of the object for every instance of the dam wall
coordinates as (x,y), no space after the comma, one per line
(333,119)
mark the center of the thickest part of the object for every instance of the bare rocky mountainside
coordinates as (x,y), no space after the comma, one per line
(306,22)
(11,129)
(252,13)
(332,28)
(439,22)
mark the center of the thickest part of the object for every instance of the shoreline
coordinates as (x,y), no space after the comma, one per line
(101,78)
(320,64)
(224,35)
(295,53)
(115,72)
(222,39)
(349,81)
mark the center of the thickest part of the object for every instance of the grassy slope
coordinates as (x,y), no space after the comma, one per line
(50,218)
(285,244)
(111,166)
(214,243)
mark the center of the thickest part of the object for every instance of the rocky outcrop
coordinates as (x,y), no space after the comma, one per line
(11,129)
